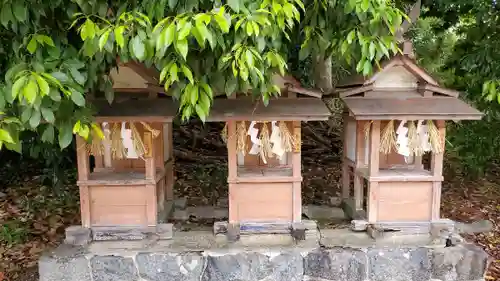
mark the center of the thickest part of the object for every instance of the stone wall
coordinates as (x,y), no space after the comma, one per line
(459,263)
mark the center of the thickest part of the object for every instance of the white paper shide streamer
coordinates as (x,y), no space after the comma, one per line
(126,135)
(275,140)
(253,133)
(402,140)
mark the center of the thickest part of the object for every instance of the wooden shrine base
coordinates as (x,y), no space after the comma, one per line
(78,235)
(436,228)
(299,231)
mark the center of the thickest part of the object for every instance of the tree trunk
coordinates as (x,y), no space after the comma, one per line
(323,74)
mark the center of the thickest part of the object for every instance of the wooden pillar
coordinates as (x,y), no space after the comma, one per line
(296,173)
(232,167)
(374,144)
(345,167)
(151,197)
(373,169)
(83,175)
(360,162)
(437,171)
(168,155)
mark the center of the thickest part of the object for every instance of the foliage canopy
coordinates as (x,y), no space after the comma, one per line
(55,52)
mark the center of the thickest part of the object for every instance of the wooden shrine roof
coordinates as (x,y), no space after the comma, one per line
(408,63)
(435,108)
(285,109)
(148,110)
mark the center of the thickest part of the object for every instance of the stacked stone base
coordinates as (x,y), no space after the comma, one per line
(174,261)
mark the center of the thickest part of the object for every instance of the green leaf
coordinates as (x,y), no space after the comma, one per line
(5,136)
(172,4)
(16,146)
(65,135)
(32,45)
(222,22)
(384,49)
(249,58)
(55,95)
(109,95)
(48,134)
(14,71)
(18,85)
(77,97)
(301,5)
(173,72)
(104,39)
(231,84)
(88,30)
(120,40)
(44,39)
(60,76)
(77,127)
(6,15)
(367,68)
(265,99)
(256,28)
(187,72)
(199,38)
(47,114)
(20,11)
(169,35)
(244,72)
(193,94)
(79,78)
(35,119)
(30,91)
(486,87)
(182,47)
(372,50)
(202,28)
(138,48)
(184,31)
(201,113)
(2,100)
(351,36)
(42,85)
(234,4)
(26,114)
(208,90)
(249,28)
(163,73)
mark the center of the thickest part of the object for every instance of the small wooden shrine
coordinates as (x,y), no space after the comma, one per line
(133,175)
(393,120)
(264,158)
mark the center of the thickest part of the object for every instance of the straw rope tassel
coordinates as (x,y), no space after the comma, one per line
(148,127)
(265,144)
(223,133)
(367,129)
(413,142)
(297,139)
(137,141)
(388,138)
(435,138)
(287,141)
(96,148)
(117,148)
(241,132)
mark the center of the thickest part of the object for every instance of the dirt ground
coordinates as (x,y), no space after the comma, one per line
(33,217)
